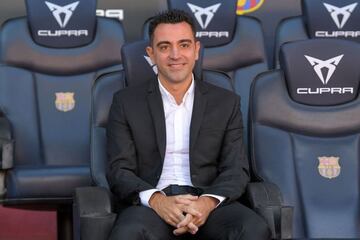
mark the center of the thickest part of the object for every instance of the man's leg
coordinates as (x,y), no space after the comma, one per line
(141,223)
(234,222)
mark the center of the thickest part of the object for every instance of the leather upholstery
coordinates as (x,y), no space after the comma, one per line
(310,151)
(46,94)
(317,21)
(103,92)
(215,21)
(61,23)
(335,81)
(19,49)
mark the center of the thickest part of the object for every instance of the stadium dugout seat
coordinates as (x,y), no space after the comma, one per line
(305,132)
(50,61)
(232,44)
(320,19)
(96,207)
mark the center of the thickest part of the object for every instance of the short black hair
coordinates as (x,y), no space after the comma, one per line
(171,16)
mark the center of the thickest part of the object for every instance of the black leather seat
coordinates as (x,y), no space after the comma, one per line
(305,132)
(50,62)
(232,44)
(321,19)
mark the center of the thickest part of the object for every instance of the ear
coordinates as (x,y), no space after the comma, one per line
(150,52)
(197,49)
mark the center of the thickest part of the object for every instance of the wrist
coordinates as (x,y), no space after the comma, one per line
(210,201)
(155,198)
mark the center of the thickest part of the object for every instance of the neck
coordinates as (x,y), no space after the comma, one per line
(177,90)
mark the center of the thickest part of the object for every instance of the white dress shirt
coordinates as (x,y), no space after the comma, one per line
(176,167)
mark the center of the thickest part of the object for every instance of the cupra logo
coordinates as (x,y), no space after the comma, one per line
(329,64)
(208,12)
(325,69)
(57,11)
(340,15)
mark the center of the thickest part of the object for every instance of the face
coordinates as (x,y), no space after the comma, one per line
(174,51)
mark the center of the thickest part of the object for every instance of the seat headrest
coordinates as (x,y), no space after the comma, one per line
(215,20)
(138,66)
(62,23)
(332,18)
(321,72)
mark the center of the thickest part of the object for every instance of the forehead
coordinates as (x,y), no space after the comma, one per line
(173,32)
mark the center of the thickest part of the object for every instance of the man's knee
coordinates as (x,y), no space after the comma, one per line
(129,230)
(139,224)
(255,229)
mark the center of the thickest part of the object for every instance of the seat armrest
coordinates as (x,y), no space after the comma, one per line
(6,144)
(93,212)
(265,198)
(6,151)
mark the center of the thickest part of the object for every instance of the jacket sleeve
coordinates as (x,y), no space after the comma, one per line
(233,167)
(123,166)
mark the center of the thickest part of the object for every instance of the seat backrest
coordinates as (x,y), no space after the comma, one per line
(103,91)
(50,62)
(321,19)
(232,44)
(305,133)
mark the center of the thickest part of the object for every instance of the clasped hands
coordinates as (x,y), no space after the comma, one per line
(184,212)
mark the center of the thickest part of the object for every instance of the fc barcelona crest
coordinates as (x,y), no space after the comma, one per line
(65,101)
(329,167)
(247,6)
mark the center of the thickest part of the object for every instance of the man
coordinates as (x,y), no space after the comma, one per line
(175,149)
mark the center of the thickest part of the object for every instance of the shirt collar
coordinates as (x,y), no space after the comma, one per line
(166,94)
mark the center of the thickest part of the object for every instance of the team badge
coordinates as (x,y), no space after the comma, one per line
(64,101)
(247,6)
(329,167)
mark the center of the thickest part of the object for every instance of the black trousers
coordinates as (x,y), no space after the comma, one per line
(230,222)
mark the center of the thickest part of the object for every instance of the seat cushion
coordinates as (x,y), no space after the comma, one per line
(49,181)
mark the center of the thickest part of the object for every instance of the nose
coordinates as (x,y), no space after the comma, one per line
(175,53)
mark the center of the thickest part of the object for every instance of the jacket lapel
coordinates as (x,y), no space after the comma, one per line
(157,114)
(200,101)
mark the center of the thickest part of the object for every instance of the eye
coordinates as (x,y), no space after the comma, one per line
(163,47)
(185,45)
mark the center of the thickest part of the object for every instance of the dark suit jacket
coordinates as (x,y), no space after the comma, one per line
(137,141)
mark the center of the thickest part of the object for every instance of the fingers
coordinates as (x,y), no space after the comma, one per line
(191,210)
(175,218)
(183,201)
(189,197)
(180,231)
(199,222)
(171,222)
(185,221)
(192,228)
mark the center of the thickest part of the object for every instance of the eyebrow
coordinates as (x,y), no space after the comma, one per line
(180,41)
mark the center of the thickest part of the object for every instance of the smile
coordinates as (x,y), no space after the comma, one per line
(176,65)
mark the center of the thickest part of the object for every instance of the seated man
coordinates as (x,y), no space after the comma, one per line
(176,151)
